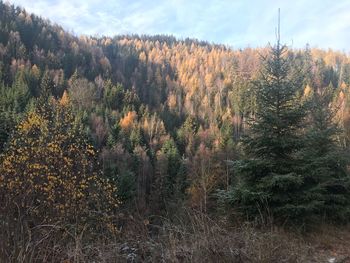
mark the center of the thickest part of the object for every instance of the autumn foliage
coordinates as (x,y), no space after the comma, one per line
(129,120)
(50,171)
(98,132)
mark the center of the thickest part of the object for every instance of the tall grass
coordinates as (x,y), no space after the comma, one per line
(191,236)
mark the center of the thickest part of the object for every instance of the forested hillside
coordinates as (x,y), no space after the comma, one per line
(96,131)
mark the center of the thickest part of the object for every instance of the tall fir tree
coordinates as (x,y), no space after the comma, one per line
(269,178)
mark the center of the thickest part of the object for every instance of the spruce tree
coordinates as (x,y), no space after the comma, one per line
(326,180)
(46,86)
(269,177)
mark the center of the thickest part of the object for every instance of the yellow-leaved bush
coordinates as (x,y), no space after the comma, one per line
(50,171)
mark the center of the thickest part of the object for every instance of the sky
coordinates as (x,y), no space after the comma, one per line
(236,23)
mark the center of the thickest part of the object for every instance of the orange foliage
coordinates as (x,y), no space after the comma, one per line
(64,101)
(172,101)
(129,120)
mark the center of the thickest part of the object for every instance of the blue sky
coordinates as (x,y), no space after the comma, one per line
(237,23)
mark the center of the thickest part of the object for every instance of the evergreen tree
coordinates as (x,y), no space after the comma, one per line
(46,86)
(170,177)
(269,178)
(113,95)
(126,182)
(173,161)
(6,124)
(13,103)
(325,162)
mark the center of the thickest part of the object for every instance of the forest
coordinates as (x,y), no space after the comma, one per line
(139,148)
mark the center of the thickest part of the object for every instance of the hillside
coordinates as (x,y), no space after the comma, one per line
(149,128)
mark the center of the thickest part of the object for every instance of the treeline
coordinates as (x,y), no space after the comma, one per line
(166,117)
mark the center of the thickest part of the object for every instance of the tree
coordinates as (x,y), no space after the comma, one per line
(268,179)
(82,93)
(173,161)
(46,87)
(49,171)
(64,101)
(113,95)
(326,179)
(186,134)
(129,120)
(143,171)
(13,102)
(203,178)
(6,125)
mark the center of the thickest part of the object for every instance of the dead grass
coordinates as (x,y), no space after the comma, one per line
(191,237)
(201,238)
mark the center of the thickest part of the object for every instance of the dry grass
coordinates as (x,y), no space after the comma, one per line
(200,238)
(192,237)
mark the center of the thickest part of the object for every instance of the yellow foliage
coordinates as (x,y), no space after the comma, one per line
(36,71)
(48,165)
(307,91)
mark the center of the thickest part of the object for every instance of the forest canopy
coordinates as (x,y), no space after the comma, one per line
(92,126)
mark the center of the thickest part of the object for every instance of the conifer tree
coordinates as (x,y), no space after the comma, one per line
(326,180)
(173,161)
(269,177)
(46,86)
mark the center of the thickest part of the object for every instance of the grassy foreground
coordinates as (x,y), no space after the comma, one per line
(192,237)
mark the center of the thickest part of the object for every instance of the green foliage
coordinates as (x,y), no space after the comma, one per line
(126,186)
(113,135)
(181,181)
(113,95)
(46,86)
(14,99)
(13,102)
(170,177)
(161,111)
(269,179)
(227,135)
(185,135)
(135,138)
(174,162)
(326,178)
(291,173)
(6,125)
(131,101)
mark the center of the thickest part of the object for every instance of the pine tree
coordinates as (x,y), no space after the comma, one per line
(269,177)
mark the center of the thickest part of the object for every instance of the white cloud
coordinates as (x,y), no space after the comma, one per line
(235,22)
